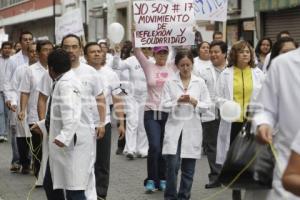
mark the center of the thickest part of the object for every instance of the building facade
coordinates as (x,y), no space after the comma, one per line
(276,16)
(34,15)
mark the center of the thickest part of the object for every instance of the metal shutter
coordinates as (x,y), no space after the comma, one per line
(276,21)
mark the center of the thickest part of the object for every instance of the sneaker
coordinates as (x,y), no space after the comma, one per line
(14,168)
(130,156)
(162,185)
(150,187)
(140,155)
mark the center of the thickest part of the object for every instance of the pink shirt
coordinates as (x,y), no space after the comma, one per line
(156,76)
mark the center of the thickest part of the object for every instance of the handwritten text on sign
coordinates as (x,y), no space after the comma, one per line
(213,10)
(163,23)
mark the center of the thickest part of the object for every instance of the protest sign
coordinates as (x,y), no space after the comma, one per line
(212,10)
(164,23)
(70,22)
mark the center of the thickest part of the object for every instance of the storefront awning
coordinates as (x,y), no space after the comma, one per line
(273,5)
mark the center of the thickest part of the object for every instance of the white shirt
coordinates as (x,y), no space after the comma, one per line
(7,69)
(20,59)
(29,82)
(137,79)
(210,75)
(296,144)
(109,60)
(111,84)
(200,64)
(92,87)
(280,100)
(15,84)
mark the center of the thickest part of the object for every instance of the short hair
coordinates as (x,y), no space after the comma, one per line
(278,36)
(257,49)
(24,33)
(223,46)
(183,53)
(7,43)
(217,33)
(278,46)
(236,48)
(88,45)
(60,61)
(201,43)
(41,43)
(71,35)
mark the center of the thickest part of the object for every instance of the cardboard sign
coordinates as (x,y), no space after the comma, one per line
(160,23)
(212,10)
(70,22)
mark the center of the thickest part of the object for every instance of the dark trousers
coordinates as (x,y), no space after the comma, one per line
(155,129)
(102,164)
(210,137)
(23,149)
(58,194)
(173,163)
(37,141)
(236,127)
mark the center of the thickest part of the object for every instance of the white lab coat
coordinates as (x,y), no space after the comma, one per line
(225,93)
(183,119)
(70,165)
(280,100)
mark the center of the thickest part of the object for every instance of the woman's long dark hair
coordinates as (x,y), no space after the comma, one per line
(278,46)
(257,49)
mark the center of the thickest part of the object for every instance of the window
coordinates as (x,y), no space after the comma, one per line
(7,3)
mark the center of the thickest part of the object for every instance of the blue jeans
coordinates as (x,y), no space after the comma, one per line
(187,174)
(3,116)
(155,128)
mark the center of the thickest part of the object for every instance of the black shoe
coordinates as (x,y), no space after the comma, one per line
(25,170)
(211,185)
(119,151)
(130,156)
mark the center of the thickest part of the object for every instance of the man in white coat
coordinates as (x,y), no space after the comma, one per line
(211,119)
(96,58)
(93,99)
(68,166)
(280,100)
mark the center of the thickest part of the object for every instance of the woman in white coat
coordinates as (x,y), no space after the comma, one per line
(185,96)
(241,83)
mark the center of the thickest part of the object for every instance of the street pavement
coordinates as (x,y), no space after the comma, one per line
(126,180)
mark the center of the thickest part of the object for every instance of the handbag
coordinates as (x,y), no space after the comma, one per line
(248,165)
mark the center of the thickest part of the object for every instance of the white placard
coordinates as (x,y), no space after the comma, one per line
(161,23)
(70,22)
(212,10)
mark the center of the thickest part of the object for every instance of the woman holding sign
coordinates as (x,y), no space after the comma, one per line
(185,96)
(154,117)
